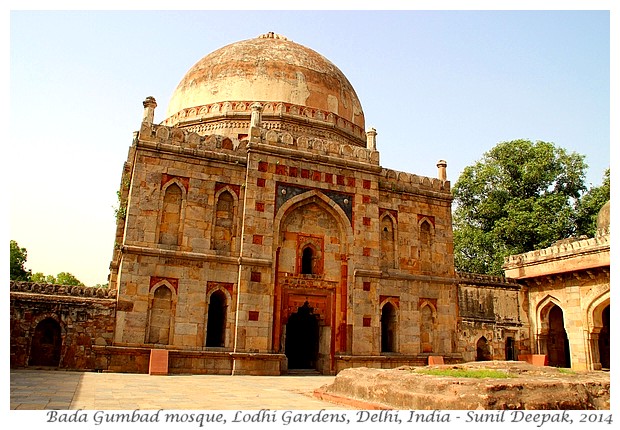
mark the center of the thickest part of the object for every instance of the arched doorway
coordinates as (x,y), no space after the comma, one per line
(558,348)
(483,352)
(388,328)
(216,320)
(302,339)
(46,344)
(603,340)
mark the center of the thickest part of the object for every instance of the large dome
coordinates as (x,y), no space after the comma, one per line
(269,68)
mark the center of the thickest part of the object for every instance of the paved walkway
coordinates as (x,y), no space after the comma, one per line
(57,389)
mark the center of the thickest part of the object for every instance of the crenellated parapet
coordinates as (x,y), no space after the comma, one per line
(182,141)
(563,248)
(568,255)
(315,147)
(62,290)
(396,181)
(177,141)
(485,280)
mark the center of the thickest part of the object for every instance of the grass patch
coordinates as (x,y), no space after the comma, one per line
(565,371)
(466,373)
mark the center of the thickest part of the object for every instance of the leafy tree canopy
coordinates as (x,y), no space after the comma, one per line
(63,278)
(520,196)
(18,258)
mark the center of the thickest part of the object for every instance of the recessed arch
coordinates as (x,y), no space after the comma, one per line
(389,239)
(162,308)
(428,319)
(225,218)
(320,199)
(426,234)
(172,213)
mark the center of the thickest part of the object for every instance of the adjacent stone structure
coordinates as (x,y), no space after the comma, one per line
(493,323)
(258,233)
(568,291)
(56,325)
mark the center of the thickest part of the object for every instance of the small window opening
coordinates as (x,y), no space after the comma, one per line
(306,261)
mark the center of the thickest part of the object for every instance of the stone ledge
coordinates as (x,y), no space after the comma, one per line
(532,387)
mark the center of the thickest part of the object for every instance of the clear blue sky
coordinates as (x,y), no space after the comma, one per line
(435,84)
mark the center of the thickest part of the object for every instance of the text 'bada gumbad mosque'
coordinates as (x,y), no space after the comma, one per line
(259,234)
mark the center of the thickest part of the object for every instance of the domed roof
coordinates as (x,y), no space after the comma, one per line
(604,218)
(269,68)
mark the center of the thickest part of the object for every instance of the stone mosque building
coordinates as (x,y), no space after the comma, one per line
(258,233)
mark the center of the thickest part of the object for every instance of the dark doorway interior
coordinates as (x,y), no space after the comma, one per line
(216,320)
(483,352)
(46,344)
(603,340)
(302,339)
(388,328)
(510,349)
(558,347)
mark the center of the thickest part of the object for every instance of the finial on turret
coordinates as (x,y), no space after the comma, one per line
(255,120)
(149,110)
(371,139)
(442,170)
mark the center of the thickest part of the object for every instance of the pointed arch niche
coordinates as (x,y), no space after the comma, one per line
(172,213)
(428,321)
(224,225)
(426,234)
(161,312)
(389,239)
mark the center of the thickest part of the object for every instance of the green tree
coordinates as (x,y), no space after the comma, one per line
(519,197)
(42,278)
(18,257)
(63,278)
(66,278)
(590,204)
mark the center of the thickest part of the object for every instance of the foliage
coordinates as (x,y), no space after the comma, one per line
(42,278)
(63,278)
(521,196)
(589,206)
(18,257)
(466,373)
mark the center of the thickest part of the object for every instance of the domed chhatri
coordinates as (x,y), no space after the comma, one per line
(269,69)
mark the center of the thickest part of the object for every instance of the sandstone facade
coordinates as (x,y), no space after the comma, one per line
(267,226)
(568,290)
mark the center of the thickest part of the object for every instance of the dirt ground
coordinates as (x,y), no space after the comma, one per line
(528,387)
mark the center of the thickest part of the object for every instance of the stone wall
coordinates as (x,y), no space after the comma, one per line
(56,325)
(493,321)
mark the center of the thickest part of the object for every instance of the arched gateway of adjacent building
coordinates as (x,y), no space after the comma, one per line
(309,323)
(46,343)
